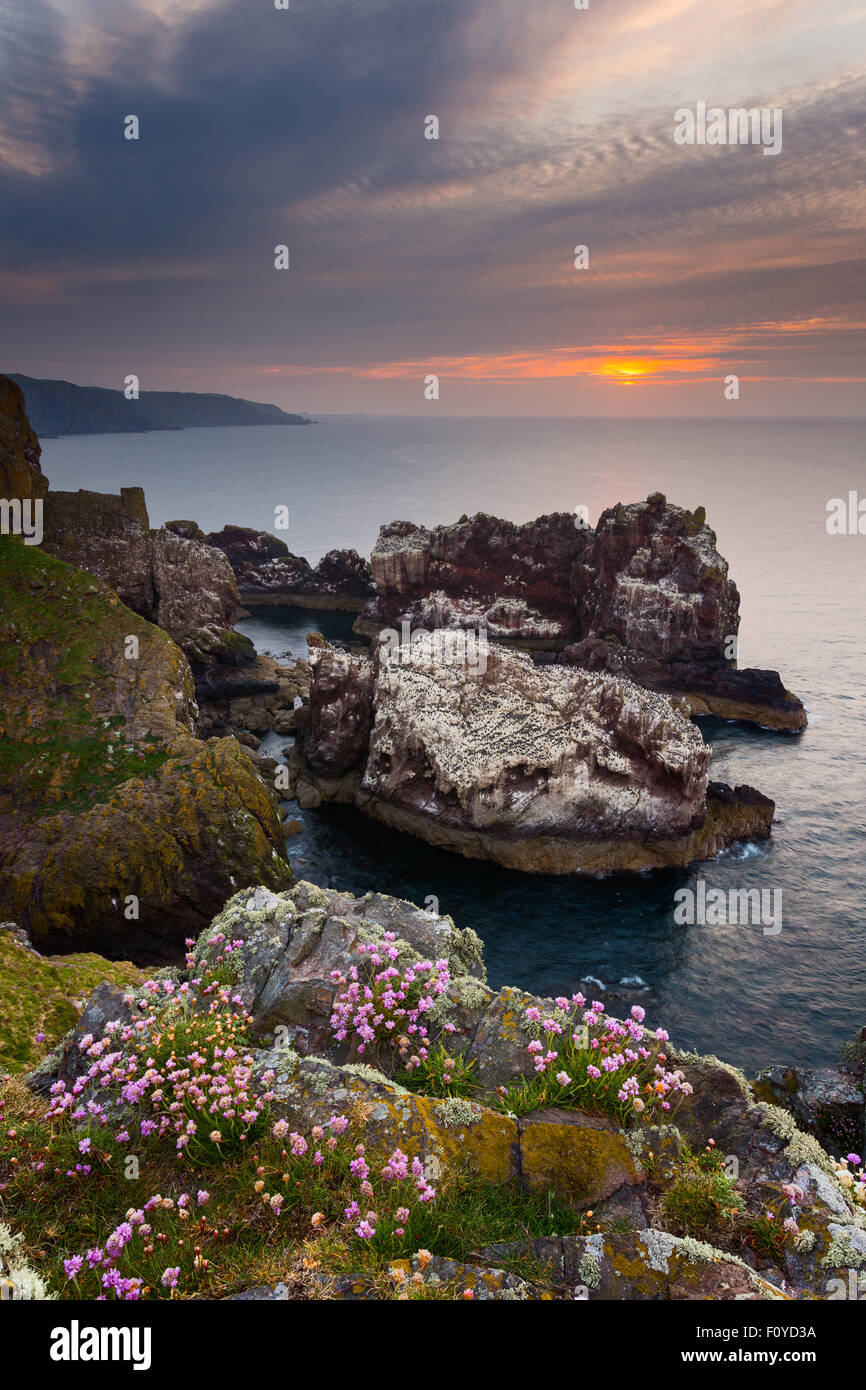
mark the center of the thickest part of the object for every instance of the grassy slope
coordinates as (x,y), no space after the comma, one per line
(44,994)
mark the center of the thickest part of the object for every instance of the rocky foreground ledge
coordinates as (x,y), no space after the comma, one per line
(543,769)
(678,1184)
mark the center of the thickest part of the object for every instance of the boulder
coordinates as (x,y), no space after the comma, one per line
(825,1101)
(293,940)
(541,768)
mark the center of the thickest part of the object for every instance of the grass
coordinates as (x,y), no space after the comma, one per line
(701,1200)
(440,1074)
(62,627)
(237,1232)
(43,995)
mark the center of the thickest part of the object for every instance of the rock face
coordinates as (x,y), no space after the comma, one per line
(549,769)
(645,595)
(182,584)
(341,711)
(21,474)
(119,830)
(829,1102)
(267,572)
(520,582)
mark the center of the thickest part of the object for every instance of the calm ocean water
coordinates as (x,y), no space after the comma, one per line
(750,997)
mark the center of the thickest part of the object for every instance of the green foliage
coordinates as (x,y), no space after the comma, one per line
(441,1074)
(38,995)
(700,1199)
(765,1234)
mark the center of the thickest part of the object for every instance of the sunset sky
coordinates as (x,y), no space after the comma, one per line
(454,257)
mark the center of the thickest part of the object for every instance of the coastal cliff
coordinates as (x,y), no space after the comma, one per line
(60,408)
(183,585)
(21,473)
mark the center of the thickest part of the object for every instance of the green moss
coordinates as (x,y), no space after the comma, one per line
(59,745)
(45,994)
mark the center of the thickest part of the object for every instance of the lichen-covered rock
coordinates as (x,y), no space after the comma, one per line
(655,1265)
(283,947)
(176,581)
(584,1158)
(309,1090)
(21,473)
(546,769)
(292,941)
(826,1102)
(119,831)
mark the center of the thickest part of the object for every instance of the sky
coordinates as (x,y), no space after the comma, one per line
(454,257)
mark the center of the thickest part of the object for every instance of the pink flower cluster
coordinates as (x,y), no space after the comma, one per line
(398,1169)
(587,1057)
(389,1008)
(133,1238)
(200,1089)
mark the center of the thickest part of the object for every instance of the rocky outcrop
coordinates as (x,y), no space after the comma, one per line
(21,473)
(644,595)
(268,573)
(829,1102)
(547,769)
(341,711)
(286,950)
(521,583)
(253,699)
(178,582)
(119,830)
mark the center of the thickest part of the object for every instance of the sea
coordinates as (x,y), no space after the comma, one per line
(749,995)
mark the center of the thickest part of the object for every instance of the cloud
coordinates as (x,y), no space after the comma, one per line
(307,127)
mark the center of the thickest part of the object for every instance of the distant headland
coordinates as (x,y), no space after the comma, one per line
(60,407)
